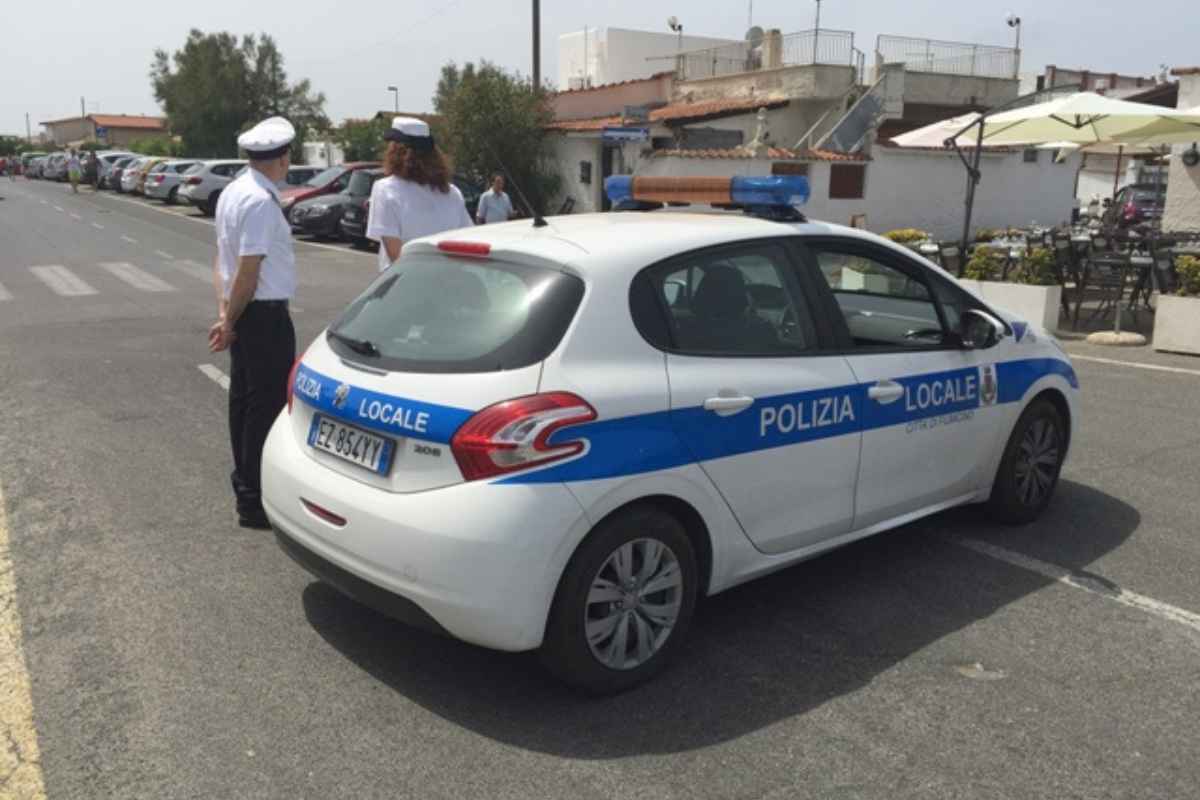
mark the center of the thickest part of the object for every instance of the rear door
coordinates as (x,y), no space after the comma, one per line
(929,418)
(768,417)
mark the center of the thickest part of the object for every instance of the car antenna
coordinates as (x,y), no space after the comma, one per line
(538,220)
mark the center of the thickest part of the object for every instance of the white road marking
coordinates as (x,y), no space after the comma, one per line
(97,226)
(5,294)
(1136,365)
(137,278)
(129,239)
(58,208)
(20,760)
(1076,581)
(45,202)
(193,269)
(62,281)
(211,371)
(161,209)
(162,254)
(76,216)
(295,309)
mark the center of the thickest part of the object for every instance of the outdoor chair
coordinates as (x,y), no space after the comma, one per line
(568,205)
(1066,268)
(1166,281)
(1108,270)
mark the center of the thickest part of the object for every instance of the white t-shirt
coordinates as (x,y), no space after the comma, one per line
(250,222)
(494,207)
(406,211)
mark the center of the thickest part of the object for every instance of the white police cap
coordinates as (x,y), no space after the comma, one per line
(268,136)
(410,132)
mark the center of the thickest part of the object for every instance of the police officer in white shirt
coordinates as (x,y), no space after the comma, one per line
(416,198)
(255,276)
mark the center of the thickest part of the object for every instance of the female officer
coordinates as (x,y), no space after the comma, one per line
(416,198)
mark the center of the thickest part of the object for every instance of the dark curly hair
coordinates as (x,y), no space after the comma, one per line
(430,168)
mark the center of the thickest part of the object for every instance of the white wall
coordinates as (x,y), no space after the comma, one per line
(920,189)
(620,54)
(323,154)
(1182,211)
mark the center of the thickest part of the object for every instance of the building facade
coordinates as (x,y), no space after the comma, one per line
(1182,211)
(598,56)
(114,130)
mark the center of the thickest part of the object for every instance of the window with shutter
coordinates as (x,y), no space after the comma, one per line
(846,181)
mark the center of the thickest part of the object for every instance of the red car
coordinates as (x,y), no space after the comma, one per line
(330,181)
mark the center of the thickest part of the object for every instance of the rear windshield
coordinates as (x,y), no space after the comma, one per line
(194,168)
(1145,197)
(431,313)
(360,183)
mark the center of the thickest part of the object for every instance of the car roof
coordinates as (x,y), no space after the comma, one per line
(626,241)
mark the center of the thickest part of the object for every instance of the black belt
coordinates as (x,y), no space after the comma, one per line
(269,303)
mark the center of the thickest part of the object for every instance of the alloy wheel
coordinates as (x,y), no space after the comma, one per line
(633,603)
(1037,461)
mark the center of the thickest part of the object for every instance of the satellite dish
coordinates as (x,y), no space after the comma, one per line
(673,23)
(755,36)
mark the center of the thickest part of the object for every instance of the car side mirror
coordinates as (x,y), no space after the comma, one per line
(979,330)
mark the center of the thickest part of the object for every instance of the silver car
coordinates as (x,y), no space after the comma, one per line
(129,178)
(165,179)
(202,184)
(55,167)
(104,170)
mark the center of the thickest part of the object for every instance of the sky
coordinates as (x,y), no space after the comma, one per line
(353,51)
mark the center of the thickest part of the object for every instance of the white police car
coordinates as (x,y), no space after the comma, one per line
(560,437)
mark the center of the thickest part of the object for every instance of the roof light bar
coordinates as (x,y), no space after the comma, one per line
(765,190)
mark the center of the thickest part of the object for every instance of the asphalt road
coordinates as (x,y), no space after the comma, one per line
(171,653)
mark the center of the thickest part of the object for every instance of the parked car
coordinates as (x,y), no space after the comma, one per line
(107,160)
(203,182)
(36,164)
(1135,204)
(27,160)
(164,179)
(322,215)
(132,174)
(117,172)
(328,181)
(353,224)
(299,175)
(55,168)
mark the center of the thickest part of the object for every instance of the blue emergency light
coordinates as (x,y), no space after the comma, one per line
(744,191)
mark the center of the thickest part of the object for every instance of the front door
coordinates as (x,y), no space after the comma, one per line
(771,420)
(929,417)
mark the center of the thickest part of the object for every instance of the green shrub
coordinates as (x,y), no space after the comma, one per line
(1037,269)
(985,264)
(1188,270)
(906,235)
(986,234)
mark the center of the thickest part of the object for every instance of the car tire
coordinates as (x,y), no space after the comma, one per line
(210,205)
(1030,466)
(173,196)
(630,644)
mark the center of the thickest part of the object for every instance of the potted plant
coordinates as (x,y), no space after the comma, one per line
(919,241)
(1177,318)
(1031,292)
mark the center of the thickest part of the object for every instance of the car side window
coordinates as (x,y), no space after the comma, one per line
(883,306)
(341,183)
(739,301)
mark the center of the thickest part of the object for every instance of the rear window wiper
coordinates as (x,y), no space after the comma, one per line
(363,347)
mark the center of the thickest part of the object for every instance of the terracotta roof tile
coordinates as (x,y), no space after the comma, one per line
(774,153)
(125,121)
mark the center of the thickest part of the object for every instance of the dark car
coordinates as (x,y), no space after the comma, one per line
(322,215)
(117,171)
(330,181)
(1135,204)
(354,218)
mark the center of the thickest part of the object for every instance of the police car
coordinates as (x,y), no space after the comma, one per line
(560,437)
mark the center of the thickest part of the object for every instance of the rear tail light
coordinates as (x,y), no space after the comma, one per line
(291,387)
(1130,210)
(324,513)
(515,435)
(158,178)
(193,181)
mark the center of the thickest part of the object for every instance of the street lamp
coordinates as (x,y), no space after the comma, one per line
(395,96)
(1013,22)
(816,31)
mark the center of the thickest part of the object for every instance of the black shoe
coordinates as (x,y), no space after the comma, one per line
(256,520)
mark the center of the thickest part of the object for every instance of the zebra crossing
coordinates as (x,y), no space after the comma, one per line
(80,281)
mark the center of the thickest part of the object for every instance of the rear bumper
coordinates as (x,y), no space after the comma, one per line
(479,560)
(317,226)
(353,229)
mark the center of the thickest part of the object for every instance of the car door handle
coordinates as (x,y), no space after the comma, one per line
(885,392)
(726,406)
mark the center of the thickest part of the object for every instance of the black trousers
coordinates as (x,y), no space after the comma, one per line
(261,357)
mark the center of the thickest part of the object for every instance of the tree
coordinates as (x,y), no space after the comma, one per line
(217,86)
(496,121)
(156,146)
(362,139)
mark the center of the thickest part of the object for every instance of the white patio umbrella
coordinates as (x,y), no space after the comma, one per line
(1090,118)
(936,134)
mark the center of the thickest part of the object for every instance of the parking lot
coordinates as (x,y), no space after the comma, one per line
(169,653)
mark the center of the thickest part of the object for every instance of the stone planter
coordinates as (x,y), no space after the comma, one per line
(1038,305)
(1177,324)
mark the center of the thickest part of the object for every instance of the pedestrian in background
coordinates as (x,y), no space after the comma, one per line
(416,198)
(494,205)
(11,166)
(255,278)
(73,169)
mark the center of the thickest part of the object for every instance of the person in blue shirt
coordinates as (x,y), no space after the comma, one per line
(494,205)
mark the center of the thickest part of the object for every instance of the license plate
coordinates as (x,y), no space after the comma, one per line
(352,444)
